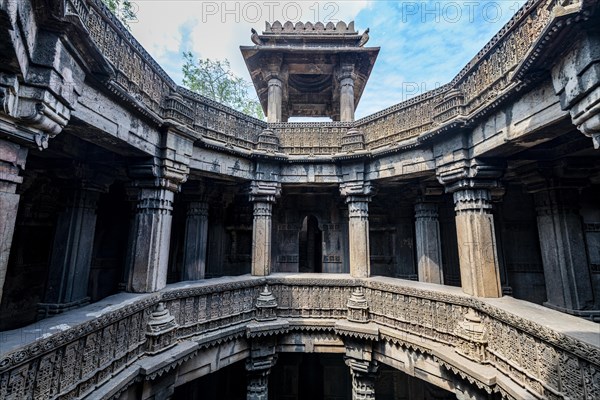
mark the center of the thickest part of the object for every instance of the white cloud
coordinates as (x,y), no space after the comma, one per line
(218,28)
(428,44)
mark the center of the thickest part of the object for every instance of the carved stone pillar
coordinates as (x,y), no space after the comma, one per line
(69,270)
(275,98)
(258,366)
(575,80)
(12,159)
(346,79)
(151,234)
(358,195)
(263,195)
(364,375)
(562,242)
(196,240)
(476,237)
(428,243)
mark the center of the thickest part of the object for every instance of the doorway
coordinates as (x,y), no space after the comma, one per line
(310,246)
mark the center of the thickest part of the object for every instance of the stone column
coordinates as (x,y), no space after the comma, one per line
(478,256)
(346,78)
(151,235)
(364,375)
(358,196)
(262,358)
(275,98)
(263,195)
(12,159)
(196,240)
(429,249)
(562,242)
(70,264)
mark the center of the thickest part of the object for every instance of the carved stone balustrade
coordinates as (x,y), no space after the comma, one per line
(518,349)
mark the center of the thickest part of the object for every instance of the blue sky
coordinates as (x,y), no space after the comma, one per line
(423,43)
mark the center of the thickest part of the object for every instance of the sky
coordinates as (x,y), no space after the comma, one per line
(424,44)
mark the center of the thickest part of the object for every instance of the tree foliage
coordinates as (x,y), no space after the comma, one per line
(124,10)
(215,80)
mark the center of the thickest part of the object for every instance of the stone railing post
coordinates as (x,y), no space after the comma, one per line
(263,195)
(12,160)
(471,183)
(358,195)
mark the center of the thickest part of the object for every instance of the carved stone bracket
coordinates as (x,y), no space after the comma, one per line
(159,173)
(470,174)
(357,191)
(576,80)
(363,369)
(263,356)
(263,191)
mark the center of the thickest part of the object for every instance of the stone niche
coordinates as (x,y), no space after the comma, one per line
(309,228)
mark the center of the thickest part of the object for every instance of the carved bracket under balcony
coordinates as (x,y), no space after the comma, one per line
(576,80)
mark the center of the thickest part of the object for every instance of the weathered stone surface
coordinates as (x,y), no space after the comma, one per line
(70,264)
(12,159)
(196,240)
(357,196)
(150,240)
(562,243)
(428,243)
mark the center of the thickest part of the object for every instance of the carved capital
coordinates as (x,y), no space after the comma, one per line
(264,192)
(471,174)
(346,75)
(472,200)
(159,173)
(357,191)
(426,211)
(197,209)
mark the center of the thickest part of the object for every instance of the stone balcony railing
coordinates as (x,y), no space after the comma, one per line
(498,71)
(499,345)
